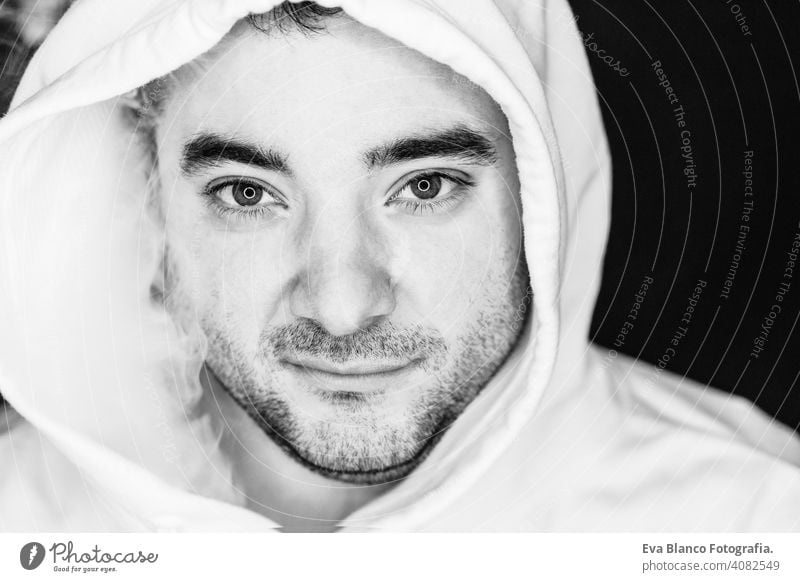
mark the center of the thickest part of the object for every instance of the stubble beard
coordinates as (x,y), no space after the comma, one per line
(361,440)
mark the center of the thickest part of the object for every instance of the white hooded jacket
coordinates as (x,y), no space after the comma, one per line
(566,436)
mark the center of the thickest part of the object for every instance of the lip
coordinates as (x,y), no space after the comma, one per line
(362,376)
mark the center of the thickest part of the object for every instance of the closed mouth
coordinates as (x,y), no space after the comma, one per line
(358,376)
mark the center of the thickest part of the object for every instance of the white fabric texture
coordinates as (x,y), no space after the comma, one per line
(563,437)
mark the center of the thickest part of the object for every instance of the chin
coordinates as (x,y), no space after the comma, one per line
(351,466)
(351,437)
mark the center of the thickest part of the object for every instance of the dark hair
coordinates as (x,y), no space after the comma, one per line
(303,16)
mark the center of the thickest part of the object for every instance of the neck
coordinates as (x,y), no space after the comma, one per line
(272,483)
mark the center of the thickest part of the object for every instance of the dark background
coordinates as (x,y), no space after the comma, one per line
(739,91)
(738,88)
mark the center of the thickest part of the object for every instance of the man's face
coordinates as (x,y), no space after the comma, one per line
(343,219)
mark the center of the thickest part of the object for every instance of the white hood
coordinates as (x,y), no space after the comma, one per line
(99,368)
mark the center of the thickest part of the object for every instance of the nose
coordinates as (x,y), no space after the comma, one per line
(343,284)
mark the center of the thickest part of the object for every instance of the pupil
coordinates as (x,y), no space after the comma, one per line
(426,188)
(247,194)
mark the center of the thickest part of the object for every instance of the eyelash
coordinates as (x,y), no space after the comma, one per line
(224,211)
(415,207)
(426,208)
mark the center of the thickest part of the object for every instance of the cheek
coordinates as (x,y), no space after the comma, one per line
(238,278)
(231,276)
(455,270)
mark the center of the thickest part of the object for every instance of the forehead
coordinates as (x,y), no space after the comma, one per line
(348,83)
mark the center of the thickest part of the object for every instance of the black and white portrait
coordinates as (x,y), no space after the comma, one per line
(334,266)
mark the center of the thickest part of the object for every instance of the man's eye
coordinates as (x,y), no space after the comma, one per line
(426,187)
(243,194)
(430,192)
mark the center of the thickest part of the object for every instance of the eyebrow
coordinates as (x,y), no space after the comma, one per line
(459,142)
(210,149)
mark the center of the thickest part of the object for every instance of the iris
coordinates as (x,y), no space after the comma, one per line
(426,187)
(247,194)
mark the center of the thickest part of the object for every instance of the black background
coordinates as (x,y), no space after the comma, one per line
(739,91)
